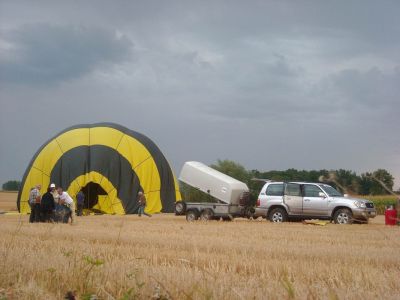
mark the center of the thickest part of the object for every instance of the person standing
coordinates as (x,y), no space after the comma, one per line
(142,204)
(60,209)
(80,200)
(56,205)
(34,203)
(66,200)
(54,193)
(47,206)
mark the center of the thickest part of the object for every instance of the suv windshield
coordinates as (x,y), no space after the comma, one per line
(330,191)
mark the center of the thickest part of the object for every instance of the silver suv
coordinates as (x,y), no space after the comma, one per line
(279,201)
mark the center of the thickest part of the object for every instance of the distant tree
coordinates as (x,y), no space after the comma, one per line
(293,175)
(232,169)
(240,173)
(369,186)
(386,178)
(349,180)
(365,183)
(254,185)
(11,185)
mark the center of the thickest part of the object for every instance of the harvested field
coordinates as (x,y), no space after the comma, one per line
(127,257)
(8,201)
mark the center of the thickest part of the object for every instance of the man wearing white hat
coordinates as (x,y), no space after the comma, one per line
(56,196)
(54,193)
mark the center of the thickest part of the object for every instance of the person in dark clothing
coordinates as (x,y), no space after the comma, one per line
(47,206)
(80,199)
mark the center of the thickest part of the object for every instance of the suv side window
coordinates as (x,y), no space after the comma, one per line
(274,190)
(293,189)
(311,190)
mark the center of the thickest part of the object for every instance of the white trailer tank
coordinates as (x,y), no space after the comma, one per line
(217,184)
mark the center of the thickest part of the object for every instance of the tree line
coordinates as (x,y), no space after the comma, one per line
(11,185)
(346,181)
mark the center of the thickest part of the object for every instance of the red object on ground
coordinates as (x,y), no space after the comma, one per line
(390,216)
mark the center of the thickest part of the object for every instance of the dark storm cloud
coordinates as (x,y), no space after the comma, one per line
(270,84)
(277,89)
(45,53)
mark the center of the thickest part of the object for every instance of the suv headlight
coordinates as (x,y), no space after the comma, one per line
(359,204)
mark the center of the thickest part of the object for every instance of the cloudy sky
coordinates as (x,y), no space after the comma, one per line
(269,84)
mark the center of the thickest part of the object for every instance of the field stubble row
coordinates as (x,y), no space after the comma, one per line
(8,201)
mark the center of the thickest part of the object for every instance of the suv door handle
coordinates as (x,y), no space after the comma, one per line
(307,200)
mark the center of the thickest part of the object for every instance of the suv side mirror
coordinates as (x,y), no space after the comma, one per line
(321,194)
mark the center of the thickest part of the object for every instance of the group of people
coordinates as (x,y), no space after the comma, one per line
(55,205)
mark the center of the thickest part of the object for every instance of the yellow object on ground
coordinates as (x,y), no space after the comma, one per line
(11,213)
(316,222)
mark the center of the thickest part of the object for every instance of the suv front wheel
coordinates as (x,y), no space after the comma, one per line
(278,215)
(343,216)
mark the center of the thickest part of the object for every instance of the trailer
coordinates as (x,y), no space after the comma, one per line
(231,196)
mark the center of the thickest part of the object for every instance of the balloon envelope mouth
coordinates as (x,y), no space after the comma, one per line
(92,191)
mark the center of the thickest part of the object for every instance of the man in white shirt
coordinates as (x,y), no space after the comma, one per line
(65,199)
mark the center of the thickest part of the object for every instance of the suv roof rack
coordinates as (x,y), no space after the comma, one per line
(284,181)
(262,179)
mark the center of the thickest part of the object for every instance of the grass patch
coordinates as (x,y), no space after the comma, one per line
(381,201)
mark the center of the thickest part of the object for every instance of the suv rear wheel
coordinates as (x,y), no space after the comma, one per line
(343,216)
(278,215)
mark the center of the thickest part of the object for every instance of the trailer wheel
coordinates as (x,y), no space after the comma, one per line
(191,216)
(249,213)
(206,215)
(278,215)
(180,208)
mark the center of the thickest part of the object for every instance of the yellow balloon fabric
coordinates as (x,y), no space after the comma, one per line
(120,160)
